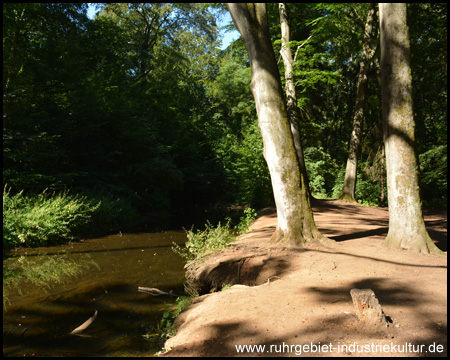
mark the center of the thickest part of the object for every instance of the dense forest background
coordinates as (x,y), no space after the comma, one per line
(140,109)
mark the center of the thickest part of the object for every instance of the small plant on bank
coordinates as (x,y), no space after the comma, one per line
(164,328)
(226,287)
(246,220)
(198,244)
(204,241)
(213,237)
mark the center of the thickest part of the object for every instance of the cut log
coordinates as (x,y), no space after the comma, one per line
(367,307)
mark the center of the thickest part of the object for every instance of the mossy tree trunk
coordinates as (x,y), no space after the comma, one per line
(295,219)
(406,225)
(349,186)
(291,97)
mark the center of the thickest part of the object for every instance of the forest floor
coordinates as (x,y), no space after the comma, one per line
(301,295)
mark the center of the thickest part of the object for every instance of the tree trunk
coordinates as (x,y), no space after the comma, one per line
(295,219)
(349,187)
(406,225)
(383,175)
(291,97)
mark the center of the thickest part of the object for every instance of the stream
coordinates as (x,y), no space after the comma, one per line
(38,321)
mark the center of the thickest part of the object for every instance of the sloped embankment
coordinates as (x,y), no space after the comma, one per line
(301,296)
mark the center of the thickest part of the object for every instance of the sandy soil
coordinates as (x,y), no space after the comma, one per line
(301,299)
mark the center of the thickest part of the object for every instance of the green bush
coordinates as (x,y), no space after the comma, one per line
(43,219)
(203,241)
(246,220)
(368,192)
(213,237)
(46,218)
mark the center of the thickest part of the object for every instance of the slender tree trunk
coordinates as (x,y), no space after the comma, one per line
(295,220)
(383,175)
(349,187)
(291,97)
(406,225)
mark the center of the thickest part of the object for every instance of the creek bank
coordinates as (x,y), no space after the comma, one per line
(304,297)
(250,260)
(232,266)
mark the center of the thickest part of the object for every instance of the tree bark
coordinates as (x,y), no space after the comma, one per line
(295,219)
(406,225)
(349,186)
(291,97)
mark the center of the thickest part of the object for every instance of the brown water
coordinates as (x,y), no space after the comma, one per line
(37,323)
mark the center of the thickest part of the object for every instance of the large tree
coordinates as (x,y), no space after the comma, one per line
(406,225)
(295,219)
(349,186)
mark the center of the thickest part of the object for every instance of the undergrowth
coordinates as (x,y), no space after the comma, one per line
(202,242)
(49,217)
(164,329)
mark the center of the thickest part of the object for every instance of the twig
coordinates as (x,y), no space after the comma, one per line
(156,292)
(298,48)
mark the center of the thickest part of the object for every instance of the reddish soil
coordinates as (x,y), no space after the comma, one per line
(302,296)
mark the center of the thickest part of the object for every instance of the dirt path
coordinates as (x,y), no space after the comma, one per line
(306,298)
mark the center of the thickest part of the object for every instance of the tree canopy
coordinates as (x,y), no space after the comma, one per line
(141,103)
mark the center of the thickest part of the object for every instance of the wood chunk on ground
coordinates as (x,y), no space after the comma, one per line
(367,307)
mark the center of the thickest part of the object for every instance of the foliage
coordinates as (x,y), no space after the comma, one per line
(111,212)
(368,189)
(204,241)
(212,237)
(164,328)
(141,103)
(321,169)
(433,181)
(43,219)
(427,23)
(246,220)
(50,217)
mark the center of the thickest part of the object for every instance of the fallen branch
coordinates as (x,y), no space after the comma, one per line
(84,326)
(156,292)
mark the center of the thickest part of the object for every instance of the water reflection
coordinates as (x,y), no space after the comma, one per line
(37,322)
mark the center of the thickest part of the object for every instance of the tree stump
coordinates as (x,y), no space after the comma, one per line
(367,307)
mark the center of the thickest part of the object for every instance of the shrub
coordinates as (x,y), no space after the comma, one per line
(246,220)
(213,237)
(164,329)
(43,219)
(203,241)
